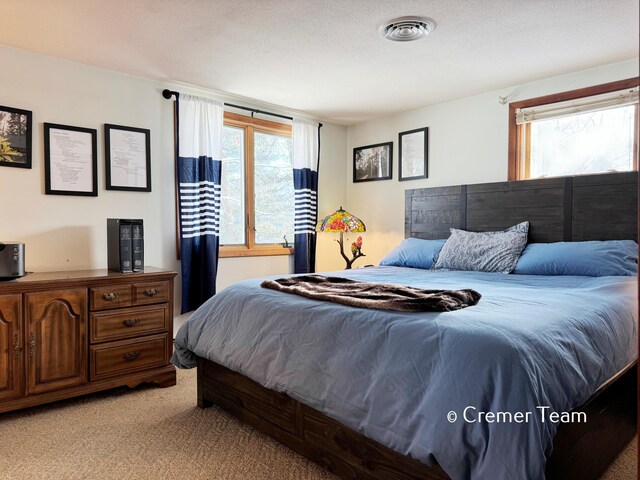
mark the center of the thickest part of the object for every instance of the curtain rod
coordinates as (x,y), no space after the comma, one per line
(170,93)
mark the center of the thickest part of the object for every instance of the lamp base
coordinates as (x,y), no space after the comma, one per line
(348,260)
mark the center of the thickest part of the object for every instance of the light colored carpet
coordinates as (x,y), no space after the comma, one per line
(154,433)
(146,433)
(625,467)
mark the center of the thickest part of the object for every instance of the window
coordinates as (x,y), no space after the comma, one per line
(257,209)
(590,130)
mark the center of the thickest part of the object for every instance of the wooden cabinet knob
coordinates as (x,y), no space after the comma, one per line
(16,346)
(32,344)
(131,356)
(131,322)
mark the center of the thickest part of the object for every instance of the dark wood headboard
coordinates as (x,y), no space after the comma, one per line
(586,207)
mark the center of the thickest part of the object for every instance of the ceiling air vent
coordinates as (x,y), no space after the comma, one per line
(406,29)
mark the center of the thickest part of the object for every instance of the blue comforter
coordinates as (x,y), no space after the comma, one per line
(531,341)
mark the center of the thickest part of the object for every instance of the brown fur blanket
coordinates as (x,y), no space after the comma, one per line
(374,295)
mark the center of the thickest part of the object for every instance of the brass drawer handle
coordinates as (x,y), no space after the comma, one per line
(16,346)
(131,322)
(32,344)
(110,297)
(151,292)
(131,356)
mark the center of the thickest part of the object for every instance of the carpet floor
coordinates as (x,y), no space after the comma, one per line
(158,433)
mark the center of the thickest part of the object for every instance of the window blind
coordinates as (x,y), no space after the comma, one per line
(582,105)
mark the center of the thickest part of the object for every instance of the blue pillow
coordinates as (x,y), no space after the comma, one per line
(592,259)
(414,253)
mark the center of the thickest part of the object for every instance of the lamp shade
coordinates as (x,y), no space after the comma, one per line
(341,221)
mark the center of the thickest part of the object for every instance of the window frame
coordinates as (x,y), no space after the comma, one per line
(250,248)
(519,136)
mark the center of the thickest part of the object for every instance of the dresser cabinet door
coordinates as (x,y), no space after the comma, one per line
(11,343)
(56,339)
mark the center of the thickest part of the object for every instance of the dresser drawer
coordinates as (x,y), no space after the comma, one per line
(117,358)
(151,292)
(127,323)
(110,296)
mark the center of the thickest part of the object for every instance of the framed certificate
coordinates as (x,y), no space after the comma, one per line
(128,158)
(414,154)
(70,160)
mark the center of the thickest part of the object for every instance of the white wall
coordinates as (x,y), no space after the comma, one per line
(468,143)
(64,232)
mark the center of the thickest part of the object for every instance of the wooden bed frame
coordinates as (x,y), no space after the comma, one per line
(594,207)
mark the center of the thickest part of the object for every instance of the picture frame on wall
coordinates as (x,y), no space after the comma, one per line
(70,160)
(15,137)
(127,158)
(413,151)
(373,162)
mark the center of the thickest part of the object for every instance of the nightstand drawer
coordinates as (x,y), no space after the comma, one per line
(110,296)
(152,292)
(118,358)
(127,323)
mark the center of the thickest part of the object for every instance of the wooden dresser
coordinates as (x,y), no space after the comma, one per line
(64,334)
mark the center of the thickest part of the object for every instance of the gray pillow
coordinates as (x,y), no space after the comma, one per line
(483,251)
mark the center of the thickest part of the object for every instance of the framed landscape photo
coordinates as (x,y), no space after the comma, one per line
(128,158)
(15,137)
(70,160)
(373,162)
(413,152)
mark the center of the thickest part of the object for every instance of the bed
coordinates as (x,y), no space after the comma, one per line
(384,413)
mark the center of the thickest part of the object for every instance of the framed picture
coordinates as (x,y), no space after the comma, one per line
(128,158)
(70,160)
(15,137)
(413,152)
(373,162)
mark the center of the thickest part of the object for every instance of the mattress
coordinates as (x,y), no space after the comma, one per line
(480,391)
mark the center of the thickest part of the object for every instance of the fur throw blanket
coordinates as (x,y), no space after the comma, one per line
(374,295)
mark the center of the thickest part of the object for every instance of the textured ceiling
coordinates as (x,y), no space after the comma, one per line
(327,57)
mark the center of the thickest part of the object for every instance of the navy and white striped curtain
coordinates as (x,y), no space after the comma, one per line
(306,151)
(199,177)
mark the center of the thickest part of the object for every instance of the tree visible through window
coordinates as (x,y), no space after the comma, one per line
(592,142)
(273,188)
(586,131)
(232,212)
(257,210)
